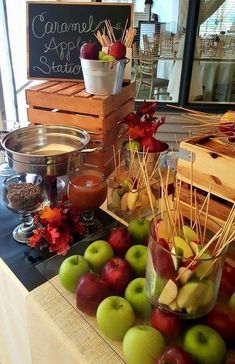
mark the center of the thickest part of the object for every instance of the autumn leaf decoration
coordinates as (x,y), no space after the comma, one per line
(143,122)
(58,227)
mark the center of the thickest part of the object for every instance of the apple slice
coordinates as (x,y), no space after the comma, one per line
(189,234)
(154,283)
(116,200)
(204,268)
(181,243)
(209,292)
(162,230)
(195,247)
(176,254)
(174,306)
(190,294)
(131,199)
(124,206)
(169,293)
(185,274)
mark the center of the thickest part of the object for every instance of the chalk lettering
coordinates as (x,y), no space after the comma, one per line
(63,49)
(66,68)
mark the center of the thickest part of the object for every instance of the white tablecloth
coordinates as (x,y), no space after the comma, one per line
(216,78)
(210,79)
(14,338)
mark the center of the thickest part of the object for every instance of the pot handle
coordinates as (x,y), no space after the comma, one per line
(95,149)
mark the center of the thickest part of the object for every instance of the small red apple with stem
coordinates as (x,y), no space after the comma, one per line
(175,355)
(117,272)
(222,319)
(117,50)
(120,240)
(166,322)
(91,290)
(89,50)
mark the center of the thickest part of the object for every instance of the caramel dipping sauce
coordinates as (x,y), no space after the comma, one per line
(87,190)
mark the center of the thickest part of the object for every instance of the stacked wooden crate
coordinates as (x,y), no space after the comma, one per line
(207,163)
(68,103)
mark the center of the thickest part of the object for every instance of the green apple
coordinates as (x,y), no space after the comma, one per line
(190,294)
(71,269)
(139,229)
(181,243)
(205,345)
(97,254)
(101,55)
(135,293)
(136,256)
(133,145)
(142,344)
(189,234)
(115,316)
(169,293)
(232,301)
(108,58)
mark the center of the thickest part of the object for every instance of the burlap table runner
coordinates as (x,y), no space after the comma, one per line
(60,334)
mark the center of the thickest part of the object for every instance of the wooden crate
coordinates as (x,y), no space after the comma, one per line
(212,163)
(68,103)
(205,162)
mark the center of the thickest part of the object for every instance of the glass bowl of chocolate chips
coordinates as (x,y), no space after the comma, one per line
(23,193)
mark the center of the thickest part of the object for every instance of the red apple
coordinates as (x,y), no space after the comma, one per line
(166,322)
(117,50)
(175,355)
(162,260)
(153,145)
(120,240)
(227,284)
(230,357)
(89,51)
(118,273)
(91,290)
(222,319)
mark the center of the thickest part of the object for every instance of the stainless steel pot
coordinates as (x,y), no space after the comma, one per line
(47,149)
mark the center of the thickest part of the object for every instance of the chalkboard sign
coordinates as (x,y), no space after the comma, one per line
(57,30)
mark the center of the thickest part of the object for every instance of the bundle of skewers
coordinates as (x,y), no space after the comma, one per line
(187,252)
(219,126)
(107,35)
(127,195)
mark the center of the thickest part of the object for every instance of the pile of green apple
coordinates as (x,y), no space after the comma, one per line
(189,289)
(109,282)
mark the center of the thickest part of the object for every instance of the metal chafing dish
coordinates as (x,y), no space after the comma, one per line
(46,149)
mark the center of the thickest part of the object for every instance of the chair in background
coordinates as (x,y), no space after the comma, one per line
(135,55)
(148,76)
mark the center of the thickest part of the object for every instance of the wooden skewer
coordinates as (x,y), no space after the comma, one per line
(124,30)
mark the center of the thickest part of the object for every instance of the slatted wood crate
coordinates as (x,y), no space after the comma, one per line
(68,103)
(204,162)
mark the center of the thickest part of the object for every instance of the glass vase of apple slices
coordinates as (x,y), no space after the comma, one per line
(128,197)
(184,265)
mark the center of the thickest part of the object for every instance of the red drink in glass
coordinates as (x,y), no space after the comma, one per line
(87,190)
